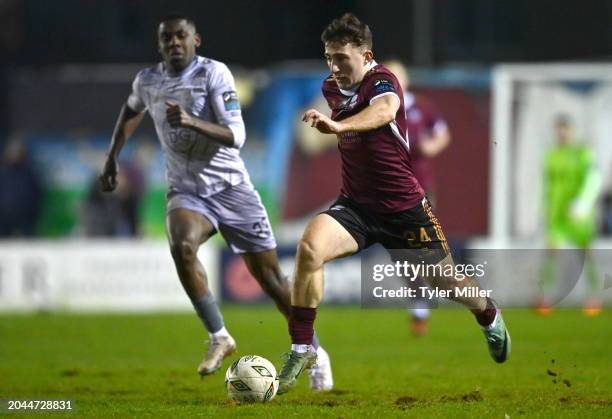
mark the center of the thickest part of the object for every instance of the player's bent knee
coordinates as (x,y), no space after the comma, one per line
(184,252)
(308,258)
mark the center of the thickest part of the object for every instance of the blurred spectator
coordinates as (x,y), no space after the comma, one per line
(607,213)
(21,192)
(428,132)
(115,215)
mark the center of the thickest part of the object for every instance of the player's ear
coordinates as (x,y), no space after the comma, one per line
(197,39)
(368,56)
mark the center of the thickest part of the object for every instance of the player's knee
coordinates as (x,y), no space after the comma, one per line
(308,258)
(184,252)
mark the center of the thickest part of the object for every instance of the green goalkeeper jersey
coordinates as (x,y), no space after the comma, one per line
(571,187)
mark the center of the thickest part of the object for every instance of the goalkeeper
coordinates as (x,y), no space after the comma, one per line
(571,186)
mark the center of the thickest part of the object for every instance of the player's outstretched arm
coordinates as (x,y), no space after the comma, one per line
(379,113)
(433,146)
(179,118)
(127,122)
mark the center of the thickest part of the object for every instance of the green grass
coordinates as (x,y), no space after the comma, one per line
(144,365)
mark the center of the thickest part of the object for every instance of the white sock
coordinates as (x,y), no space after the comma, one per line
(493,323)
(222,333)
(302,349)
(420,313)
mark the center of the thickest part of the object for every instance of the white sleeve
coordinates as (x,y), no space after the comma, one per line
(225,104)
(135,101)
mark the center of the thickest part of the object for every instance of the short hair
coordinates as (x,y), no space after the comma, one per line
(348,29)
(179,16)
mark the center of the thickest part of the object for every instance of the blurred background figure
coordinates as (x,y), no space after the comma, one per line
(115,215)
(21,192)
(427,130)
(607,213)
(428,135)
(571,187)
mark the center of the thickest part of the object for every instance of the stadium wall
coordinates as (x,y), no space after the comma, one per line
(139,276)
(94,275)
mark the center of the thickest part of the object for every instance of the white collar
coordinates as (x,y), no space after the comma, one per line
(186,70)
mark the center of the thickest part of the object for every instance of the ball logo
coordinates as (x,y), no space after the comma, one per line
(263,371)
(269,393)
(234,366)
(240,385)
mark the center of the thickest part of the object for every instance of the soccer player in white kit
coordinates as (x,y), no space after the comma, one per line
(194,106)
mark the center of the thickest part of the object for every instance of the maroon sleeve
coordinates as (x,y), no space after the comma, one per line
(431,115)
(380,82)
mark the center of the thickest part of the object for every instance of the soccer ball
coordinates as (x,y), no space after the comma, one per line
(251,379)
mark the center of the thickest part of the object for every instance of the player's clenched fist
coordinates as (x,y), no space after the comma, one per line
(176,116)
(108,178)
(321,122)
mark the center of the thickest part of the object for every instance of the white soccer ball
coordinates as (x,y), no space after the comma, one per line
(251,379)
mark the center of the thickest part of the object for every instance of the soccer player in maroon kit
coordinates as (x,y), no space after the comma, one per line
(380,202)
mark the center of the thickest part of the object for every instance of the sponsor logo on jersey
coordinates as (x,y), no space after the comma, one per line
(230,101)
(349,137)
(383,86)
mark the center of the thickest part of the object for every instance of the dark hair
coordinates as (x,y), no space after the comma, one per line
(178,16)
(348,29)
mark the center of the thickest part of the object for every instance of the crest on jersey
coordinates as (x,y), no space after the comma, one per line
(349,103)
(230,101)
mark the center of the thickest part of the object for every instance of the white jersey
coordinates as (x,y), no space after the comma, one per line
(205,89)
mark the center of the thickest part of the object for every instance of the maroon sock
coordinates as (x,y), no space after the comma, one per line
(301,325)
(487,316)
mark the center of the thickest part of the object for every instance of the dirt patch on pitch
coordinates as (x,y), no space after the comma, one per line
(71,372)
(406,401)
(336,392)
(582,401)
(472,396)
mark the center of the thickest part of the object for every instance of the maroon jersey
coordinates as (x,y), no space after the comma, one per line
(422,121)
(376,165)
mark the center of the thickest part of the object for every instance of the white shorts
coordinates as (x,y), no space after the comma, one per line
(236,212)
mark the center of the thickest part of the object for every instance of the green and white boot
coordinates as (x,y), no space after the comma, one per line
(498,338)
(295,363)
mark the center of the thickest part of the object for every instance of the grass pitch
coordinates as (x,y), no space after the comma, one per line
(144,365)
